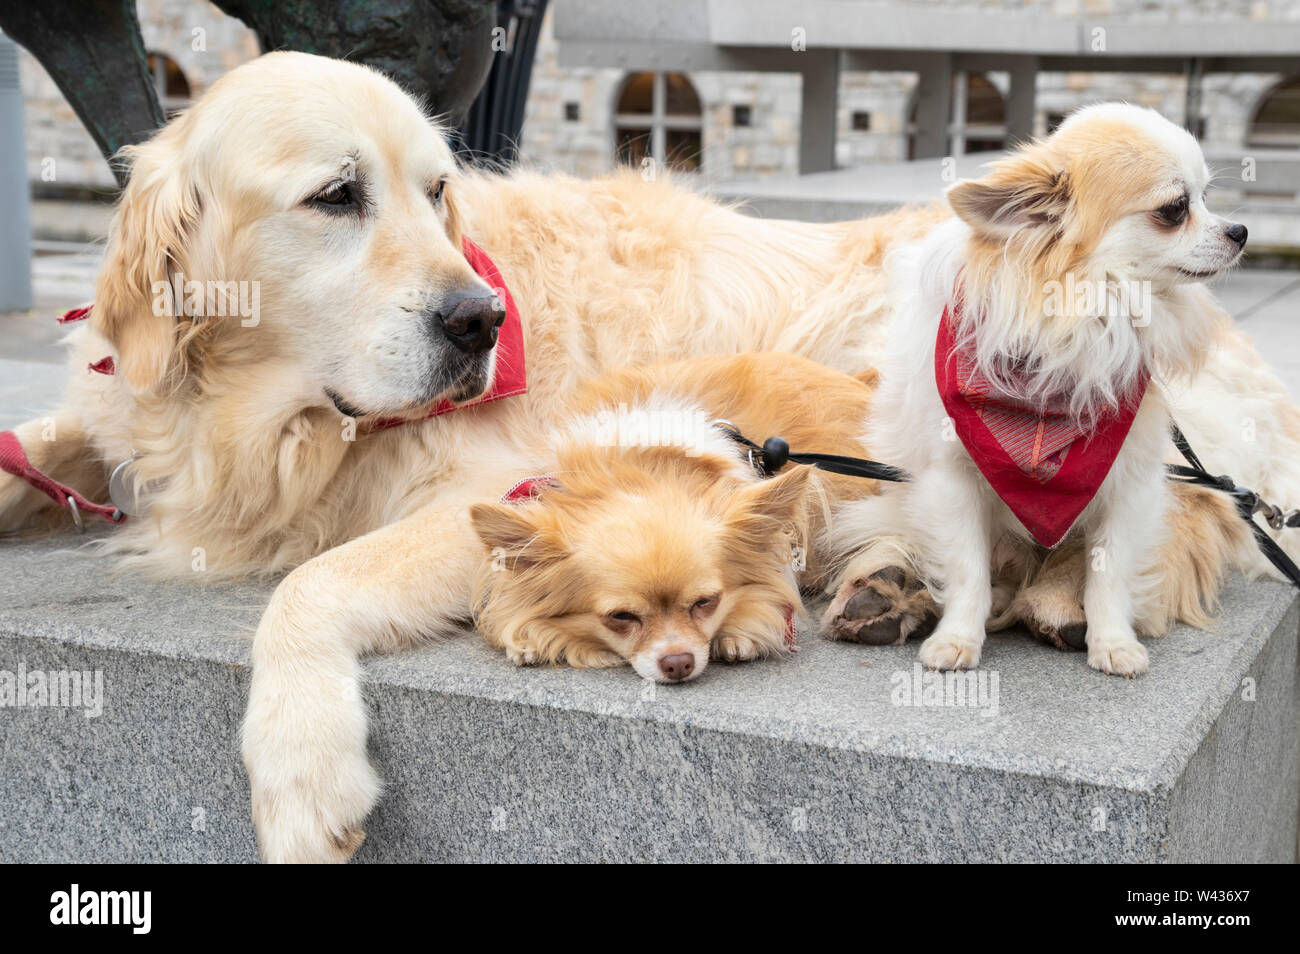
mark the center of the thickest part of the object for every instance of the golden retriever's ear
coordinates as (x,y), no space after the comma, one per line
(134,308)
(512,537)
(1021,191)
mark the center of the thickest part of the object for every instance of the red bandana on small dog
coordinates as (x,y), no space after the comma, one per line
(1037,459)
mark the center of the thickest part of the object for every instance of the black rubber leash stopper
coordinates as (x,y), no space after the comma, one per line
(776,453)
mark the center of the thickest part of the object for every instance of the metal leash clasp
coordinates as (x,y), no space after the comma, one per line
(76,515)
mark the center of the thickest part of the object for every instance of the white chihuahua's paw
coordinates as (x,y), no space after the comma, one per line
(942,651)
(735,648)
(1118,657)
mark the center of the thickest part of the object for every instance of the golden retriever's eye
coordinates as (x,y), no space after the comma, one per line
(1175,212)
(621,621)
(705,605)
(435,194)
(338,196)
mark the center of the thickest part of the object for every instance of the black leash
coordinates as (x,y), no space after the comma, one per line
(775,453)
(1248,502)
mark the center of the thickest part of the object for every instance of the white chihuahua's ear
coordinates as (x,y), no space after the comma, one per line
(1022,191)
(508,533)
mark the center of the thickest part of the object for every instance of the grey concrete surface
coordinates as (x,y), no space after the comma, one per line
(806,759)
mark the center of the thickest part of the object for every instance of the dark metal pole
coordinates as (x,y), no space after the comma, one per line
(15,223)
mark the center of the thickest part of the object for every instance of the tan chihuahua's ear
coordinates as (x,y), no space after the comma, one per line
(771,506)
(507,533)
(1021,191)
(134,307)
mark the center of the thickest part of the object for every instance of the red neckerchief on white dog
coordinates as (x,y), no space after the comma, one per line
(530,488)
(1037,459)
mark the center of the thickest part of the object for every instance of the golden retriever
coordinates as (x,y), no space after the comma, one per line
(262,443)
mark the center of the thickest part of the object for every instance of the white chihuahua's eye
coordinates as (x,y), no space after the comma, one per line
(1175,212)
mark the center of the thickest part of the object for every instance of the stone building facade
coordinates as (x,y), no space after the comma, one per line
(196,37)
(745,125)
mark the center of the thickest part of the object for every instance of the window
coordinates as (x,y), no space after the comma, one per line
(742,116)
(986,115)
(169,83)
(571,112)
(861,121)
(1277,117)
(984,127)
(659,117)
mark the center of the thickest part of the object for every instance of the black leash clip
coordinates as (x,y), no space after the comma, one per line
(775,454)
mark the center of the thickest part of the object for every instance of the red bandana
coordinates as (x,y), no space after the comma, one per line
(530,488)
(1032,457)
(509,378)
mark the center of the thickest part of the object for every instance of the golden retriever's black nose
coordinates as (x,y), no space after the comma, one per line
(1236,232)
(470,320)
(677,666)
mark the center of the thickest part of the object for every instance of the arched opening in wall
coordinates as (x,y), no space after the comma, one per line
(979,120)
(169,82)
(658,116)
(1272,138)
(1276,121)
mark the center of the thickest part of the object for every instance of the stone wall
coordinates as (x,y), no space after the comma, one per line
(205,43)
(60,153)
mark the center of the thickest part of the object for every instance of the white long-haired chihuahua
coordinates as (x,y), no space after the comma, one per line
(1022,388)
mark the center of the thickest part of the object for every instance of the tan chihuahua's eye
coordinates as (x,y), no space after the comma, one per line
(621,621)
(706,605)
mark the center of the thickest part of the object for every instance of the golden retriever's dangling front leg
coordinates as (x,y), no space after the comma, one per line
(304,735)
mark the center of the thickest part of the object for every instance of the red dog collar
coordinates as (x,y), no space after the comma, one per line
(1037,459)
(510,377)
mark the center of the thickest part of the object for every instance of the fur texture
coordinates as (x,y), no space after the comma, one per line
(246,457)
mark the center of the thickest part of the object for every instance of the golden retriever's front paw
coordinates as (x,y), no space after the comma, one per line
(1119,657)
(735,648)
(309,801)
(950,652)
(523,655)
(298,826)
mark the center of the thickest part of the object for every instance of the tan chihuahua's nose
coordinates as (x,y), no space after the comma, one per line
(677,666)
